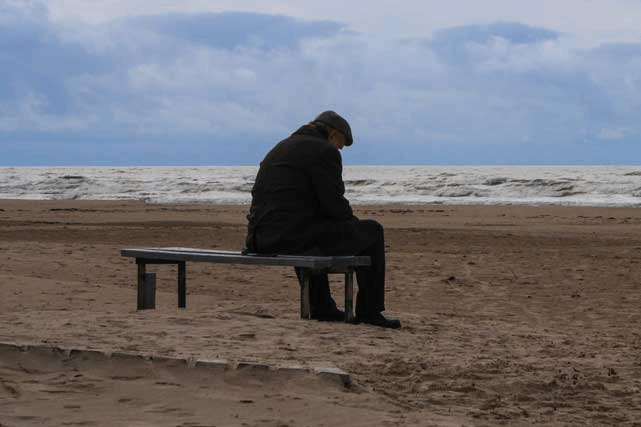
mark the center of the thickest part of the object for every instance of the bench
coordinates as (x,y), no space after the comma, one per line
(179,256)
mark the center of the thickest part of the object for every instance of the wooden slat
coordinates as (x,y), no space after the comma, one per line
(231,257)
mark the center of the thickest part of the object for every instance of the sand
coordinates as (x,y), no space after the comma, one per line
(511,315)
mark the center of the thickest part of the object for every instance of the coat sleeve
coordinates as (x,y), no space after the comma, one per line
(326,173)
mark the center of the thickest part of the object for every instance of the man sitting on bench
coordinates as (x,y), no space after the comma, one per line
(298,207)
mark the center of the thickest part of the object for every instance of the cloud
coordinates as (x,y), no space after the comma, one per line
(461,43)
(201,81)
(612,134)
(536,81)
(229,30)
(36,65)
(20,14)
(199,74)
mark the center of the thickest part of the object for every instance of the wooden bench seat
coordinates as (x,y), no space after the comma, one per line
(179,256)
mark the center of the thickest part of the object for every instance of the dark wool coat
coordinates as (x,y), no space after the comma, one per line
(297,195)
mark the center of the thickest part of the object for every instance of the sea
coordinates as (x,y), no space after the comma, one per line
(365,185)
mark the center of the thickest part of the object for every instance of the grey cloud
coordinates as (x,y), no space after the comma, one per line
(252,78)
(231,30)
(36,63)
(152,75)
(456,44)
(526,79)
(618,51)
(26,15)
(514,32)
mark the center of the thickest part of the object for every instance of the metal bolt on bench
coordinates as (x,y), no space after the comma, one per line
(179,256)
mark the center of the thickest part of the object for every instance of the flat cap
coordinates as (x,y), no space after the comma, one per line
(333,120)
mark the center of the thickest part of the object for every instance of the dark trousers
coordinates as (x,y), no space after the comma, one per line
(355,237)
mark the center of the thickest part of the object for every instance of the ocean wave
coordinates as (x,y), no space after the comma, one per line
(570,193)
(588,186)
(456,193)
(361,182)
(495,181)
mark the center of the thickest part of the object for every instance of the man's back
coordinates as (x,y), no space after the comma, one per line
(299,184)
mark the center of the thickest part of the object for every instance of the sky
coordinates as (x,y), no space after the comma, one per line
(200,82)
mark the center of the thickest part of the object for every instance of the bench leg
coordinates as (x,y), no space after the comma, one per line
(305,311)
(146,288)
(349,296)
(150,291)
(182,285)
(141,286)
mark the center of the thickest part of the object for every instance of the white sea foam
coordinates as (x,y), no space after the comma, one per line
(489,185)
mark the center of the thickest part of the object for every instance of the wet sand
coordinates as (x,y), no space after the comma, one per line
(511,316)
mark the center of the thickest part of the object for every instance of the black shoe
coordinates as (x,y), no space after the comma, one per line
(378,319)
(331,315)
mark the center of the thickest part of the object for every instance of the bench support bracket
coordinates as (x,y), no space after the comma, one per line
(305,309)
(147,283)
(349,296)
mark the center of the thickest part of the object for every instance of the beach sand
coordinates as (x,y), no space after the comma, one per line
(512,315)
